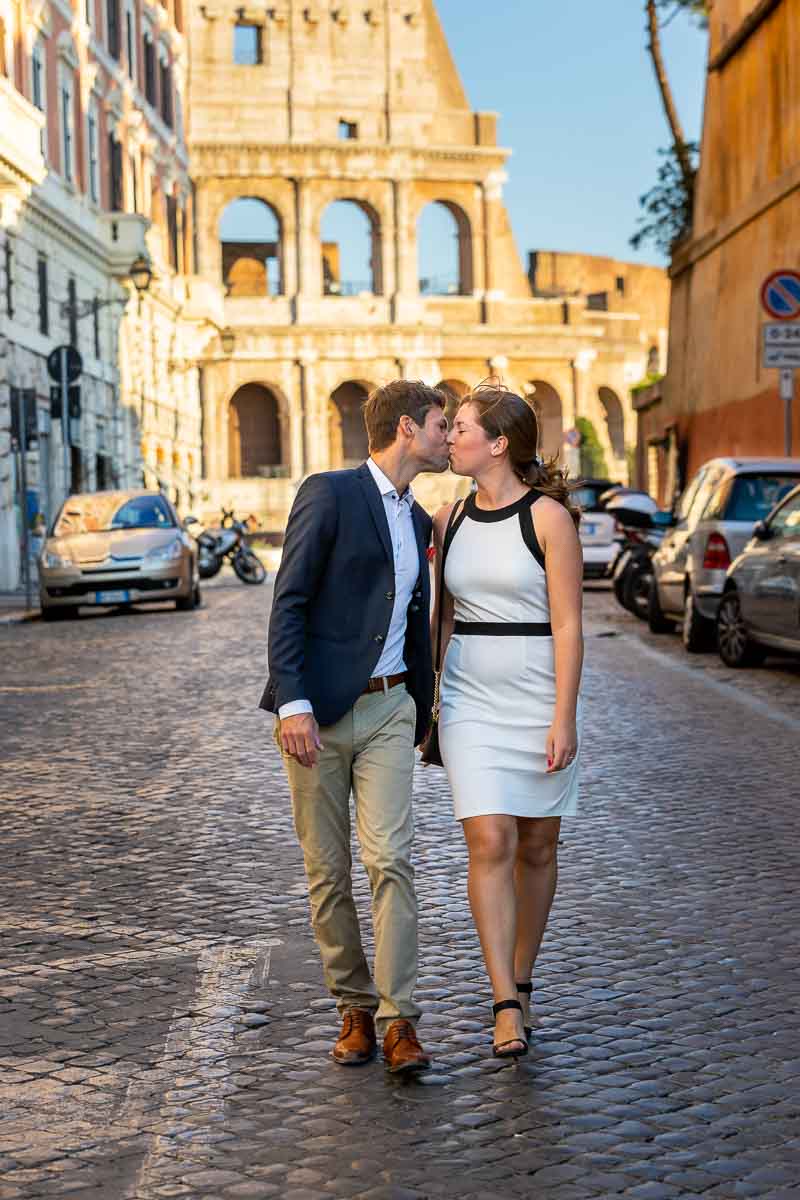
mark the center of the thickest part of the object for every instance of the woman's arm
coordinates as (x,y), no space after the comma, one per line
(558,536)
(439,527)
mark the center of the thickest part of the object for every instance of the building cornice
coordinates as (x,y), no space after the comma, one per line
(216,152)
(733,44)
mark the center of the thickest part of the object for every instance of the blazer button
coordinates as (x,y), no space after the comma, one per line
(390,595)
(379,638)
(415,608)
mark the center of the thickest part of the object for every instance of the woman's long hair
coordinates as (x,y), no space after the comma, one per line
(502,413)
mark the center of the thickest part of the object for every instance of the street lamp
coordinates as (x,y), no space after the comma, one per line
(140,274)
(227,340)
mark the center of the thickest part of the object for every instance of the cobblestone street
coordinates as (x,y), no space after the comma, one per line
(164,1031)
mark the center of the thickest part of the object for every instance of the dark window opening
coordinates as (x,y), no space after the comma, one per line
(96,326)
(597,301)
(166,93)
(9,256)
(620,285)
(150,87)
(129,41)
(247,45)
(115,174)
(44,299)
(75,469)
(112,13)
(66,122)
(72,311)
(172,230)
(134,183)
(348,131)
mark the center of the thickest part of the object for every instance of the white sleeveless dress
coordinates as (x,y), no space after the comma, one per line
(498,691)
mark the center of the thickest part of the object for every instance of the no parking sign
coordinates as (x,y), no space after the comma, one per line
(780,295)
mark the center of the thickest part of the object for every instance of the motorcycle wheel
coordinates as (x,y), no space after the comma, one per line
(208,565)
(249,568)
(636,591)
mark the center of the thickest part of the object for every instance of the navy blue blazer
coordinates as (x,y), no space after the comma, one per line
(333,600)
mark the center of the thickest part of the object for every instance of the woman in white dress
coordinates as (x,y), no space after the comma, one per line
(509,724)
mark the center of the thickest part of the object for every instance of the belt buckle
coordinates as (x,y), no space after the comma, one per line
(385,682)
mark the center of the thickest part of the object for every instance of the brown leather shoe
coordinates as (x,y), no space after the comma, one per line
(356,1044)
(401,1050)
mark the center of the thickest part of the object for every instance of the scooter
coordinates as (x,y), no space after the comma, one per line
(633,569)
(227,542)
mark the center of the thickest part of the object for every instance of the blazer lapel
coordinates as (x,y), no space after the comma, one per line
(422,548)
(377,511)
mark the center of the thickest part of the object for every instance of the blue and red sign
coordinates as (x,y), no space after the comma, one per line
(780,295)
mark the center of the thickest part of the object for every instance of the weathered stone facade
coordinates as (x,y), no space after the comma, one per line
(332,102)
(717,397)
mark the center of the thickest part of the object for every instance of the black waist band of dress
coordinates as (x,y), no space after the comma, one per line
(505,628)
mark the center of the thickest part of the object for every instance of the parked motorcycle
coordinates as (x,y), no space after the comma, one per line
(214,546)
(641,534)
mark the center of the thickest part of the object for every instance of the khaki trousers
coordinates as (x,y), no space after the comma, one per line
(371,751)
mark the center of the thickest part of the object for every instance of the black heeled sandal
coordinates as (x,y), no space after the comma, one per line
(498,1049)
(526,989)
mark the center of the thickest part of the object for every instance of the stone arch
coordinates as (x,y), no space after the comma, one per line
(350,242)
(550,414)
(251,243)
(255,433)
(615,420)
(454,389)
(444,250)
(347,433)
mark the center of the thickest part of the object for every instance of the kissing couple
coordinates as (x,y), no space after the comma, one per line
(351,681)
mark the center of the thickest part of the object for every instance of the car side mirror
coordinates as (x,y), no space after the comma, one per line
(762,531)
(189,521)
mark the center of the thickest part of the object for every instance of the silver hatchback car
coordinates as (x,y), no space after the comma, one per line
(116,548)
(713,522)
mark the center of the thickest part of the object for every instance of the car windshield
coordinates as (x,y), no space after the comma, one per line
(586,495)
(103,512)
(754,496)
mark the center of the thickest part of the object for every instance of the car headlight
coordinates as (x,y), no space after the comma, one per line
(169,553)
(51,559)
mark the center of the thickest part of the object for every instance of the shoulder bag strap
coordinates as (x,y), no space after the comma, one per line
(448,537)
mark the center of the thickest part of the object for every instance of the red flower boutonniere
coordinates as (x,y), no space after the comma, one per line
(431,553)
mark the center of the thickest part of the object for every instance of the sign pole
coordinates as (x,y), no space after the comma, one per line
(62,363)
(22,480)
(787,395)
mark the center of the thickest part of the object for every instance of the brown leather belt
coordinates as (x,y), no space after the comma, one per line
(382,683)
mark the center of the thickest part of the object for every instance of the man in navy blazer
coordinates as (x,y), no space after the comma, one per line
(351,682)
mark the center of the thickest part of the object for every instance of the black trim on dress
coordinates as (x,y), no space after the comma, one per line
(529,537)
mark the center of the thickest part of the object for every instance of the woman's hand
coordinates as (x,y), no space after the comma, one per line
(562,745)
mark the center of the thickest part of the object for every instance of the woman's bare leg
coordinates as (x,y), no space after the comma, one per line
(492,845)
(535,877)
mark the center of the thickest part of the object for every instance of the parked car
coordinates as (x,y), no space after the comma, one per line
(760,607)
(714,520)
(596,530)
(116,548)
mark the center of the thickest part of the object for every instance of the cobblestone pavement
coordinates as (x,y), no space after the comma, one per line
(163,1027)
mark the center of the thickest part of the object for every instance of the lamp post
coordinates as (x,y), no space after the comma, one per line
(140,274)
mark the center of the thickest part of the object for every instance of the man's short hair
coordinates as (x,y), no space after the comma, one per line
(401,398)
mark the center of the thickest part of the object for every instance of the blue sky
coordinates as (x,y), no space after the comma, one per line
(580,110)
(578,106)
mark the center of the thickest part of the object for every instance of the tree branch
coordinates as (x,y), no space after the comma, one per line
(682,152)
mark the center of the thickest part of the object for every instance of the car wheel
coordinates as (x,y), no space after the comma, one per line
(656,620)
(733,642)
(190,602)
(697,631)
(61,613)
(637,590)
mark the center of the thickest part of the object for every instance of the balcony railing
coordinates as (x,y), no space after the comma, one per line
(439,285)
(348,287)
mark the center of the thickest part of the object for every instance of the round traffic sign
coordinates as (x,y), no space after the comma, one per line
(573,438)
(780,295)
(74,363)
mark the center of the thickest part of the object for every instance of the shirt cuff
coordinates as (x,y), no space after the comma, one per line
(294,708)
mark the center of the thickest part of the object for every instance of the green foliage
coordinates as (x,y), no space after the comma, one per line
(593,459)
(666,214)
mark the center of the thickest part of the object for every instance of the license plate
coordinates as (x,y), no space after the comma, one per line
(112,597)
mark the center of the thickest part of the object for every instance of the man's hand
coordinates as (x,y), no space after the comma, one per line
(300,738)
